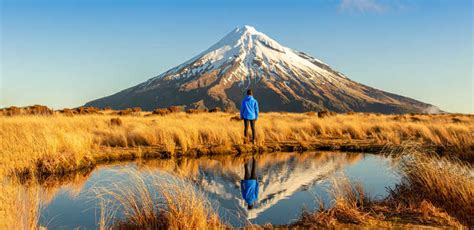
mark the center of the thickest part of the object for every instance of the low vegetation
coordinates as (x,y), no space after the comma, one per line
(22,199)
(153,202)
(37,141)
(433,191)
(60,143)
(444,183)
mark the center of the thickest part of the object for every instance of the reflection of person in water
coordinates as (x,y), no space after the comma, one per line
(249,185)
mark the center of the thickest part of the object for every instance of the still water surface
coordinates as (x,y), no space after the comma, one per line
(288,182)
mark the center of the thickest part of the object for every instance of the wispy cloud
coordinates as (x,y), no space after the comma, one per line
(362,6)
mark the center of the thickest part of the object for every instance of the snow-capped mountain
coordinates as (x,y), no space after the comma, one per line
(283,79)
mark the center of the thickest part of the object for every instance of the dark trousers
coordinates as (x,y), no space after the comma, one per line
(246,129)
(250,175)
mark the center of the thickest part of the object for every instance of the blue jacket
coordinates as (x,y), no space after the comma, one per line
(249,109)
(249,189)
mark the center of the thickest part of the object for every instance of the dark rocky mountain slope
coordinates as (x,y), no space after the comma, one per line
(283,79)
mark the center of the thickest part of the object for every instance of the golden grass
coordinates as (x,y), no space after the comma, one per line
(434,192)
(351,206)
(60,143)
(178,206)
(22,199)
(446,184)
(21,205)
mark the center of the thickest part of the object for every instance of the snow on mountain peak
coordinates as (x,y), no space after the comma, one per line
(247,28)
(247,46)
(244,58)
(253,55)
(244,36)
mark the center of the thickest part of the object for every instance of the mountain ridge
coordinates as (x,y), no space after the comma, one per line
(283,79)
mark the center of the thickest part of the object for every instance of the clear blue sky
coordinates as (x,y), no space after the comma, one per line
(63,53)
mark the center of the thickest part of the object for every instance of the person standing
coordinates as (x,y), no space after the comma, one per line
(249,113)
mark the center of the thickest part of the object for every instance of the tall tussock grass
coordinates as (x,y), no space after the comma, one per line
(20,205)
(22,199)
(351,206)
(447,184)
(433,191)
(152,202)
(60,143)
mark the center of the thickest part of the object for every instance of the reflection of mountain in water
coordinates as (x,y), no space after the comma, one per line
(278,177)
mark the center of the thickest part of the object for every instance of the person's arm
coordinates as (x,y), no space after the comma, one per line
(256,109)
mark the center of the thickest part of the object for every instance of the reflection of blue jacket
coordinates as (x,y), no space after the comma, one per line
(249,189)
(249,109)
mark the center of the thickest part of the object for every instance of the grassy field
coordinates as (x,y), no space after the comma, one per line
(179,206)
(35,145)
(60,143)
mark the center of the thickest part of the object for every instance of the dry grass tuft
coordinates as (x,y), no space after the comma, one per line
(166,111)
(325,113)
(21,210)
(175,109)
(433,183)
(116,122)
(161,112)
(87,110)
(216,109)
(156,203)
(434,191)
(129,112)
(196,111)
(351,206)
(28,110)
(235,118)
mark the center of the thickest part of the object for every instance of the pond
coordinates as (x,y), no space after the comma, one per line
(288,183)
